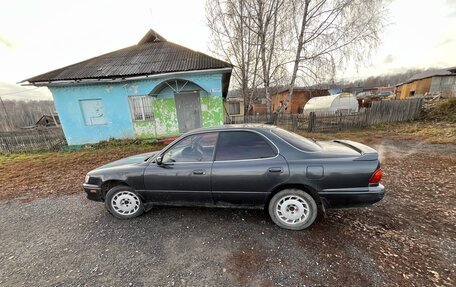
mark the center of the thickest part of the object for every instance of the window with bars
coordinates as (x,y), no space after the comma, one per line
(141,108)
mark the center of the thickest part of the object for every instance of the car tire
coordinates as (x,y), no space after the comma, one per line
(293,209)
(123,202)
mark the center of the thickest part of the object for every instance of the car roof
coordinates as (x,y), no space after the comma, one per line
(257,127)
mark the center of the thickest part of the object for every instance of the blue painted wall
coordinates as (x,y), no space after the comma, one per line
(116,112)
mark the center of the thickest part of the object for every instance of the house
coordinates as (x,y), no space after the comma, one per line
(420,84)
(153,89)
(298,100)
(51,120)
(234,109)
(444,85)
(46,121)
(257,109)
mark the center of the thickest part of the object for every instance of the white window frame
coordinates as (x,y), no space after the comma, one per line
(145,102)
(229,108)
(90,120)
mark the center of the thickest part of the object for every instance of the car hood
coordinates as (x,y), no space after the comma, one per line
(139,158)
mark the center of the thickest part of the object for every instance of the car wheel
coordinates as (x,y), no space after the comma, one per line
(293,209)
(123,202)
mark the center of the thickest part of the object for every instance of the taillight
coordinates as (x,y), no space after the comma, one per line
(376,177)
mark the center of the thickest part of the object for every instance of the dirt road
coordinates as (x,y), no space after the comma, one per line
(409,239)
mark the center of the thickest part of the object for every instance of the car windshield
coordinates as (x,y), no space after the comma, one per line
(296,140)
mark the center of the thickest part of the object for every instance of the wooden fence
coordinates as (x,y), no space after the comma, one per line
(46,139)
(332,122)
(379,112)
(394,111)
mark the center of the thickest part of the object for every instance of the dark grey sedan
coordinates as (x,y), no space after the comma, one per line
(249,166)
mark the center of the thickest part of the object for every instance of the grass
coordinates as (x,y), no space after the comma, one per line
(437,126)
(113,146)
(423,130)
(444,111)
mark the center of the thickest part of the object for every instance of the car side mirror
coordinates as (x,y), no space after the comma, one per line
(159,160)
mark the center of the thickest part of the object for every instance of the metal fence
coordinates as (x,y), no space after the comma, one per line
(46,139)
(379,112)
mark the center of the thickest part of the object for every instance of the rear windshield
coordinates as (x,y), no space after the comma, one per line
(296,140)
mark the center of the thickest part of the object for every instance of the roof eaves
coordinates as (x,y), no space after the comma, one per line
(121,78)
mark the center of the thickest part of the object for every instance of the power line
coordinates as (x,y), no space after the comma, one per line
(23,91)
(30,97)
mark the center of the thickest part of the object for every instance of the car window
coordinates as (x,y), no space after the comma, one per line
(198,147)
(296,140)
(238,145)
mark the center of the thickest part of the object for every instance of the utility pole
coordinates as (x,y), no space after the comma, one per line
(6,114)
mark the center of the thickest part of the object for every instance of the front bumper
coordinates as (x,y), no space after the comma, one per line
(352,197)
(93,191)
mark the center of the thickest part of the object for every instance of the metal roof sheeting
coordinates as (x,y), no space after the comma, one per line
(428,74)
(147,58)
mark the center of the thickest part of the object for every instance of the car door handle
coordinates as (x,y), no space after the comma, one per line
(199,172)
(275,169)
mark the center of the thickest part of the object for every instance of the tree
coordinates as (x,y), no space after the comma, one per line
(329,33)
(233,40)
(269,25)
(266,39)
(250,35)
(22,113)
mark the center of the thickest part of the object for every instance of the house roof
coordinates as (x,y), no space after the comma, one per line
(428,74)
(300,89)
(152,55)
(431,73)
(51,117)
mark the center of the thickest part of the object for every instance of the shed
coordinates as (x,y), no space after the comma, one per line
(425,82)
(234,109)
(444,85)
(299,98)
(344,102)
(153,89)
(48,120)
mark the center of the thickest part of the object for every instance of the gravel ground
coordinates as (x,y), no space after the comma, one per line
(406,240)
(70,241)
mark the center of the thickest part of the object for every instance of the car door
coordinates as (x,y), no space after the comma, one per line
(246,167)
(184,176)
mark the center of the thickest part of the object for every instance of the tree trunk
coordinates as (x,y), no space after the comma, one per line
(298,56)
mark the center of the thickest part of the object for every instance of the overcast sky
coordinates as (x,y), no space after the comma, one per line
(42,35)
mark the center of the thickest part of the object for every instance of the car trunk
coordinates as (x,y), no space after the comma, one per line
(348,148)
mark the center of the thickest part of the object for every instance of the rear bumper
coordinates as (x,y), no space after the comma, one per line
(352,197)
(93,191)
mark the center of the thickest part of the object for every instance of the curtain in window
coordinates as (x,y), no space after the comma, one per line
(141,108)
(234,109)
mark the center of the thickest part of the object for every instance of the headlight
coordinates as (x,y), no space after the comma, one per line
(87,179)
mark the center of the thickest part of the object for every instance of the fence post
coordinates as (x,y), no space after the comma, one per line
(294,122)
(274,118)
(6,145)
(339,122)
(311,121)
